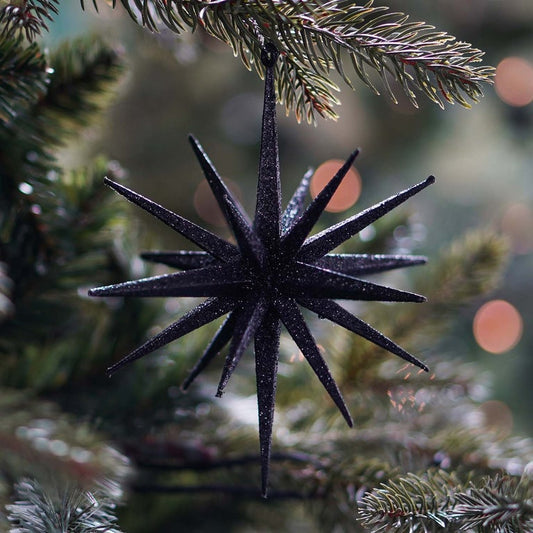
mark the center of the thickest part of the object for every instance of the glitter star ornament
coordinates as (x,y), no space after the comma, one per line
(273,271)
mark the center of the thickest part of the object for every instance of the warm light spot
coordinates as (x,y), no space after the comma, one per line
(497,416)
(347,193)
(207,206)
(514,81)
(516,224)
(497,326)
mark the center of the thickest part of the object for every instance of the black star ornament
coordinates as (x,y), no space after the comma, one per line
(273,271)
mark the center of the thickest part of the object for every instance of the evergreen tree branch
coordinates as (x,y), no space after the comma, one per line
(85,71)
(38,440)
(69,509)
(410,504)
(470,267)
(23,77)
(500,505)
(28,16)
(437,501)
(317,36)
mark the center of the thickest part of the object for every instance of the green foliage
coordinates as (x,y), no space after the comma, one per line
(64,510)
(85,74)
(28,16)
(78,76)
(498,505)
(316,36)
(23,77)
(468,268)
(38,440)
(51,244)
(437,501)
(50,313)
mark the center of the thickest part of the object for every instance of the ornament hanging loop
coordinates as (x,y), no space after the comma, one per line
(269,55)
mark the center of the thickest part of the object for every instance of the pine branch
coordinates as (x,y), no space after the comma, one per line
(436,501)
(410,504)
(500,505)
(470,267)
(23,77)
(85,71)
(38,509)
(38,440)
(81,74)
(50,335)
(317,36)
(28,16)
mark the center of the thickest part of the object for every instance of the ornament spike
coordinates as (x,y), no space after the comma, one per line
(204,239)
(272,270)
(184,260)
(233,212)
(268,207)
(337,314)
(293,239)
(199,316)
(222,337)
(296,205)
(320,244)
(294,322)
(216,280)
(315,282)
(266,370)
(357,264)
(246,325)
(221,192)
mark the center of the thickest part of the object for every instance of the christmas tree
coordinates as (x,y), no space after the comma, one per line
(429,451)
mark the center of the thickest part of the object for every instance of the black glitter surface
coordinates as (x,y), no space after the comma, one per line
(273,271)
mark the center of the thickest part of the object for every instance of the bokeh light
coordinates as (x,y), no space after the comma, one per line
(347,193)
(497,326)
(206,205)
(497,417)
(516,224)
(514,81)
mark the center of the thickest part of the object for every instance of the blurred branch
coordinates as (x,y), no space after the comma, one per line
(23,77)
(38,440)
(470,267)
(315,36)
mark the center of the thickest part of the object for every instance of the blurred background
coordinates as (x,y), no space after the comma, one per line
(482,158)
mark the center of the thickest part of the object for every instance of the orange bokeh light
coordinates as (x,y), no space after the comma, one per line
(497,326)
(514,81)
(347,193)
(206,205)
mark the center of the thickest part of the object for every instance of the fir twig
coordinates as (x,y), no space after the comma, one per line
(470,267)
(70,510)
(436,501)
(84,72)
(38,440)
(23,77)
(501,505)
(317,36)
(28,16)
